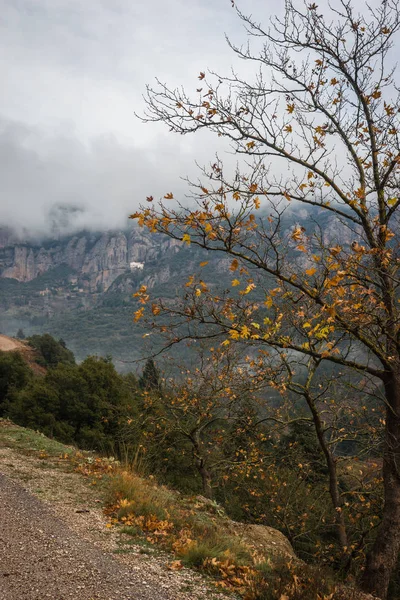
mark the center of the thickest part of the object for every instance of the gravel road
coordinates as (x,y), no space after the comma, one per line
(41,557)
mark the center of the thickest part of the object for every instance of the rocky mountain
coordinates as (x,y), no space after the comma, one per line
(95,260)
(80,287)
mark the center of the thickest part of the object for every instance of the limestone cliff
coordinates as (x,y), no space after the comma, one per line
(95,260)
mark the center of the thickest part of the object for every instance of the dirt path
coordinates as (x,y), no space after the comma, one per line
(54,543)
(41,557)
(8,344)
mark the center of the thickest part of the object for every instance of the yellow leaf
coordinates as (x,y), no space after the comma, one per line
(250,145)
(169,196)
(186,238)
(288,129)
(235,282)
(204,263)
(297,232)
(253,188)
(311,271)
(138,314)
(256,325)
(290,108)
(307,325)
(198,292)
(245,332)
(257,202)
(391,201)
(248,289)
(268,302)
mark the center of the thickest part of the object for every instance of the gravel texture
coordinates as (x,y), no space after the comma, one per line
(41,557)
(54,542)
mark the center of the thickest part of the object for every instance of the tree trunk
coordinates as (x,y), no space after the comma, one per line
(202,466)
(332,470)
(382,559)
(206,481)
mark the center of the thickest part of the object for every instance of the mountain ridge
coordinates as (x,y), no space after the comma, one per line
(79,286)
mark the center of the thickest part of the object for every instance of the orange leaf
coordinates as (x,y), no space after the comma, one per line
(176,565)
(234,265)
(155,309)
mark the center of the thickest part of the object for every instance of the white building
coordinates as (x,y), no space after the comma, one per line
(136,265)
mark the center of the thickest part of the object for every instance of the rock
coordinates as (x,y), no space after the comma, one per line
(267,541)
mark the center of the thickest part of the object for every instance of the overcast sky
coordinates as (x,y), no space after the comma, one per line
(73,73)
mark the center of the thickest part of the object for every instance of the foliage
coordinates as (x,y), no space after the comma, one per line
(14,375)
(150,378)
(51,352)
(75,403)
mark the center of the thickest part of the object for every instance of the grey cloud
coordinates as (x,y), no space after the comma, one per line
(57,179)
(72,72)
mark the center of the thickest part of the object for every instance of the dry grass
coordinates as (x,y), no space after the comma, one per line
(200,536)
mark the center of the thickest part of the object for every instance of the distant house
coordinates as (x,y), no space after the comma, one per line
(136,265)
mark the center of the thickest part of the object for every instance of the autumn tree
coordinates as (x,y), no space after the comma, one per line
(343,410)
(206,405)
(316,125)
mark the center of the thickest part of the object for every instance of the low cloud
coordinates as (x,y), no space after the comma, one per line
(58,183)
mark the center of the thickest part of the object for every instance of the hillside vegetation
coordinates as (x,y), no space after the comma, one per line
(206,433)
(253,562)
